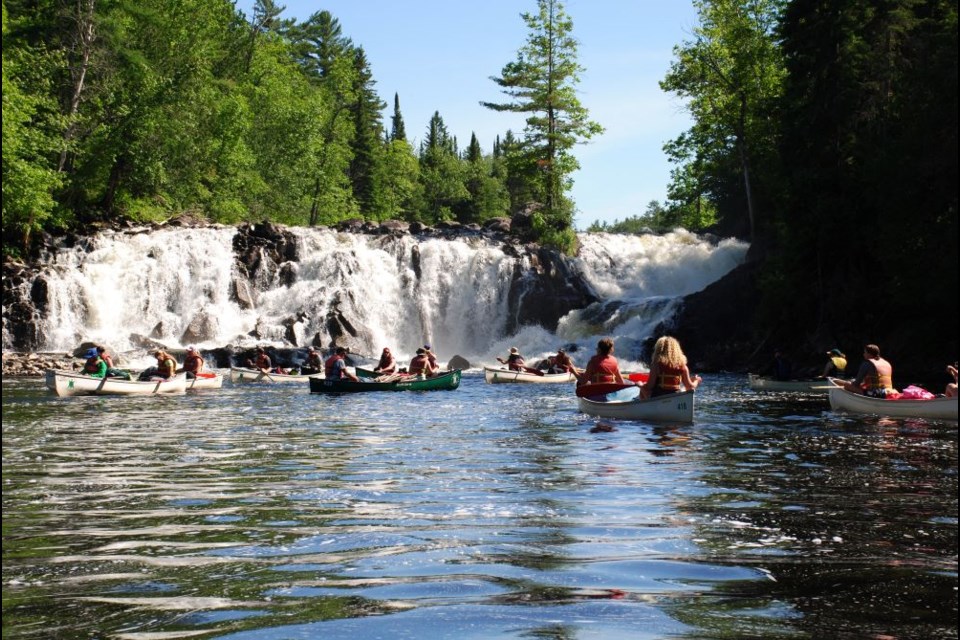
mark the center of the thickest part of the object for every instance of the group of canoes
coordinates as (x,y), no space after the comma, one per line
(665,393)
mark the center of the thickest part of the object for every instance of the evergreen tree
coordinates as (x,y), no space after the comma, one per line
(318,42)
(542,82)
(441,173)
(368,138)
(397,129)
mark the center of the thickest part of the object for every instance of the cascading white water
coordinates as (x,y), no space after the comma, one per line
(121,285)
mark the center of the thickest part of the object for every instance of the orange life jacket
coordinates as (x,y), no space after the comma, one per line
(669,378)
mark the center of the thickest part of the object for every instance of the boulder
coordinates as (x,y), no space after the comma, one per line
(458,362)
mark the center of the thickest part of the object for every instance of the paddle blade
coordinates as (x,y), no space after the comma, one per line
(639,376)
(601,388)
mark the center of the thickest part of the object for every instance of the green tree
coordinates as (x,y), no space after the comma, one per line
(542,82)
(398,130)
(731,75)
(368,137)
(30,120)
(441,173)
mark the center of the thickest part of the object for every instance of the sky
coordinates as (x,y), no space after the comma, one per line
(439,56)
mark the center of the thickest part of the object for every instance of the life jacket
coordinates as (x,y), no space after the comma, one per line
(515,362)
(839,364)
(604,369)
(193,363)
(92,365)
(167,368)
(882,378)
(669,378)
(328,365)
(419,364)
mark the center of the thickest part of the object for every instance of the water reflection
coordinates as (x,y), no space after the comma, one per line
(262,512)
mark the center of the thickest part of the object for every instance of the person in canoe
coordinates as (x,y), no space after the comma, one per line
(335,368)
(561,363)
(515,362)
(166,367)
(602,367)
(314,363)
(192,362)
(951,389)
(780,368)
(432,357)
(836,366)
(260,361)
(112,372)
(387,364)
(94,366)
(420,365)
(669,372)
(875,376)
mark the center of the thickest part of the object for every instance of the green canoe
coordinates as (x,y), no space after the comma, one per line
(445,382)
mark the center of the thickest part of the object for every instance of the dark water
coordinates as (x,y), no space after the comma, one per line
(268,513)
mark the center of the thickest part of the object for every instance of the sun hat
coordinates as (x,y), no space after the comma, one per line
(514,350)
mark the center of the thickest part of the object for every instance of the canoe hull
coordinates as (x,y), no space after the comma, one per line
(494,375)
(759,383)
(446,382)
(935,409)
(213,382)
(675,407)
(68,383)
(242,374)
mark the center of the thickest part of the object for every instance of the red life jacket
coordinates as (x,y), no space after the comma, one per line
(92,365)
(419,364)
(328,365)
(193,363)
(604,369)
(669,378)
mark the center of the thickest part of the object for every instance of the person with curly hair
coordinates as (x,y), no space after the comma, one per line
(669,372)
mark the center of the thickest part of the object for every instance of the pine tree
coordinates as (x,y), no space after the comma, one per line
(397,129)
(542,82)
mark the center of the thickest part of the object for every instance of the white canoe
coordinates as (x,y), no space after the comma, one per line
(69,383)
(241,374)
(935,409)
(495,375)
(759,383)
(675,407)
(213,382)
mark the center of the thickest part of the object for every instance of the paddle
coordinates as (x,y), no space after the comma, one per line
(602,388)
(535,372)
(639,376)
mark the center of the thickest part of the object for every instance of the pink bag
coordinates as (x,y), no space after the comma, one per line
(916,393)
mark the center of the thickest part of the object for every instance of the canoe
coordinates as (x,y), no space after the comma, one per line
(242,374)
(497,375)
(70,383)
(935,409)
(206,380)
(675,407)
(760,383)
(444,382)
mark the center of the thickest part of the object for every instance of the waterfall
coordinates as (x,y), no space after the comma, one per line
(462,295)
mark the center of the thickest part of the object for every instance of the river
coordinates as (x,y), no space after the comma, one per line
(264,512)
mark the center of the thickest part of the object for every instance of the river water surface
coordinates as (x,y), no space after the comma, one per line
(265,512)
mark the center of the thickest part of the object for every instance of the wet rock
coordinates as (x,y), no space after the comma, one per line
(458,362)
(201,328)
(242,293)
